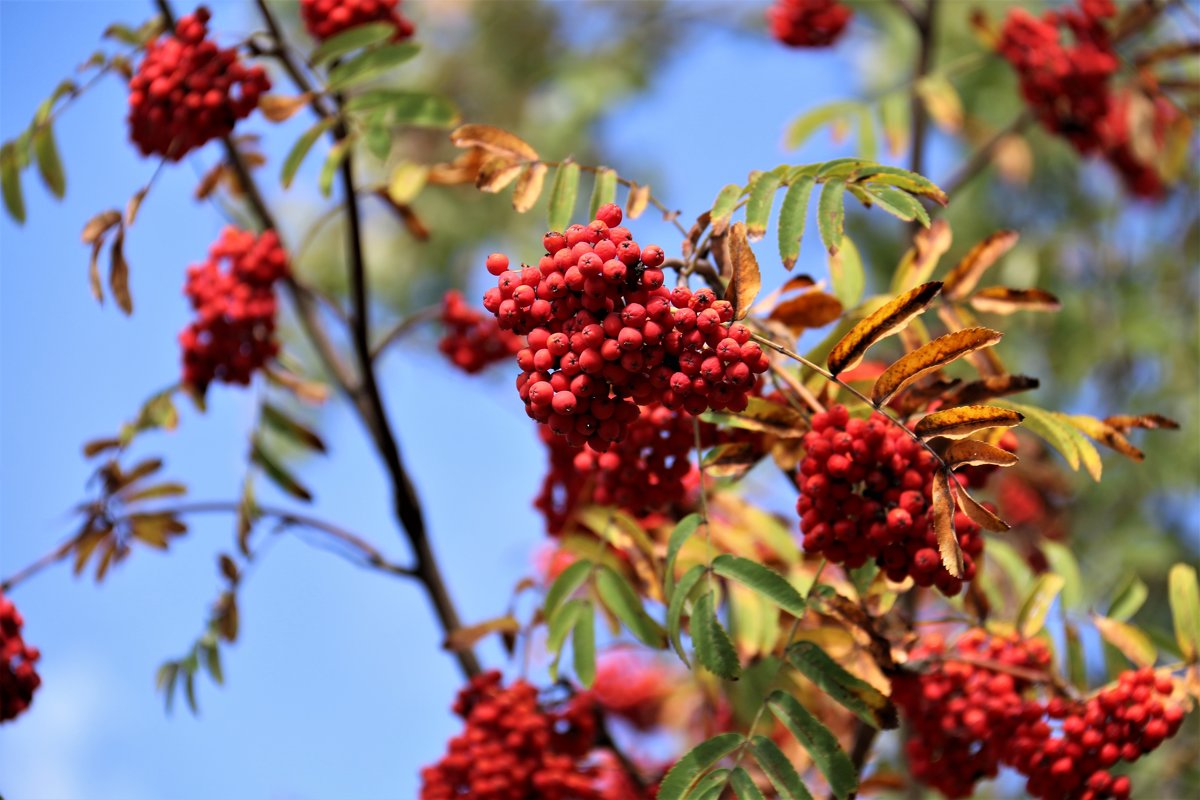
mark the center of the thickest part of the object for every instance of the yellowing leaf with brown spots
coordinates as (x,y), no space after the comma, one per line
(932,356)
(1124,422)
(943,525)
(966,274)
(494,140)
(961,422)
(529,187)
(890,318)
(1107,435)
(1132,642)
(468,637)
(974,453)
(989,387)
(1002,300)
(810,310)
(746,279)
(979,514)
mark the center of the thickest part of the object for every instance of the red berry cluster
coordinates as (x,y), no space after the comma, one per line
(1069,758)
(18,678)
(631,686)
(961,714)
(808,23)
(188,91)
(473,340)
(234,330)
(604,336)
(865,489)
(514,748)
(327,18)
(1140,178)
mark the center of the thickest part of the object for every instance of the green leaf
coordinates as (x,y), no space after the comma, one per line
(1059,435)
(49,164)
(710,787)
(10,182)
(212,662)
(563,194)
(369,64)
(355,38)
(868,145)
(758,205)
(1133,642)
(189,687)
(337,154)
(400,107)
(1128,598)
(846,274)
(859,697)
(727,200)
(1032,616)
(584,644)
(743,785)
(1062,561)
(278,474)
(683,531)
(675,609)
(1184,595)
(793,216)
(277,420)
(296,155)
(1076,664)
(910,182)
(811,121)
(695,763)
(764,580)
(714,650)
(820,743)
(623,601)
(779,769)
(565,585)
(831,214)
(604,190)
(898,203)
(560,625)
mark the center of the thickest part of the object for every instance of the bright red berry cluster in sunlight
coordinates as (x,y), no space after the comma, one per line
(808,23)
(516,748)
(473,340)
(18,678)
(604,336)
(327,18)
(865,489)
(962,714)
(631,686)
(188,91)
(233,333)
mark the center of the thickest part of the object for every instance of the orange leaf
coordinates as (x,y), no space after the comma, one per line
(943,525)
(1002,300)
(929,357)
(961,422)
(966,274)
(529,187)
(745,280)
(891,318)
(974,453)
(810,310)
(494,140)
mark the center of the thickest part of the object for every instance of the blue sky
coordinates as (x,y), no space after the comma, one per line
(337,687)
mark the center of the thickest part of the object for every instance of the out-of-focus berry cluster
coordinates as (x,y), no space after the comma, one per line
(327,18)
(18,676)
(808,23)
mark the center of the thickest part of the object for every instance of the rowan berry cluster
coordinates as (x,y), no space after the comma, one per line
(327,18)
(515,748)
(473,340)
(865,489)
(18,677)
(233,333)
(1068,86)
(604,336)
(808,23)
(961,714)
(632,687)
(188,91)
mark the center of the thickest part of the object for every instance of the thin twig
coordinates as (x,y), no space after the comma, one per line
(421,315)
(982,157)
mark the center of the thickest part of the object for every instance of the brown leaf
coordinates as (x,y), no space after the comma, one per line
(225,616)
(229,569)
(99,225)
(94,281)
(989,387)
(118,275)
(279,108)
(1107,435)
(929,245)
(155,529)
(211,180)
(494,140)
(496,173)
(461,170)
(134,205)
(1125,422)
(529,187)
(732,460)
(635,204)
(961,422)
(85,544)
(766,416)
(140,470)
(943,525)
(1002,300)
(887,320)
(746,279)
(966,274)
(810,310)
(96,446)
(468,637)
(978,513)
(927,358)
(974,453)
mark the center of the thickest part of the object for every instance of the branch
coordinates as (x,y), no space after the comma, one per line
(920,120)
(427,314)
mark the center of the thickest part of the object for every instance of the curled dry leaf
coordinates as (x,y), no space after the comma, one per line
(974,453)
(814,309)
(94,281)
(943,524)
(496,173)
(978,513)
(529,187)
(99,225)
(461,170)
(494,140)
(1124,422)
(887,320)
(745,280)
(118,275)
(1003,300)
(989,387)
(639,198)
(278,108)
(1107,435)
(929,245)
(959,423)
(731,460)
(468,637)
(927,358)
(966,274)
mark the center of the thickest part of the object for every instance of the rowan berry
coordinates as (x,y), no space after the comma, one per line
(325,19)
(18,675)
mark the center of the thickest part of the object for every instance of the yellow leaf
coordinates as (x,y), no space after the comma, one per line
(961,422)
(929,357)
(890,318)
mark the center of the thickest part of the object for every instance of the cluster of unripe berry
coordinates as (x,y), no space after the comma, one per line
(808,23)
(1068,85)
(473,340)
(233,333)
(328,18)
(515,748)
(968,715)
(18,676)
(604,336)
(188,91)
(865,489)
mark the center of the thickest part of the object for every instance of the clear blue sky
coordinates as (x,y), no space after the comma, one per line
(337,688)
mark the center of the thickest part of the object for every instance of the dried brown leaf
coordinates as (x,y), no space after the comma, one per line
(529,187)
(961,422)
(927,358)
(978,513)
(229,568)
(732,460)
(94,280)
(639,198)
(929,245)
(211,180)
(810,310)
(461,170)
(494,140)
(966,274)
(496,173)
(989,387)
(746,279)
(943,524)
(1003,300)
(118,275)
(887,320)
(1125,422)
(99,225)
(134,205)
(974,453)
(278,108)
(1107,435)
(97,446)
(468,637)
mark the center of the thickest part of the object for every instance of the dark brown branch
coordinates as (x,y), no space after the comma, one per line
(926,30)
